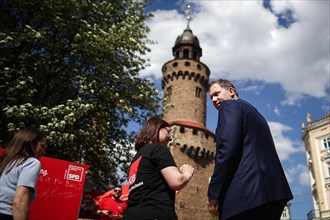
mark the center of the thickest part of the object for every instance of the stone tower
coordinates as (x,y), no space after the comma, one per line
(184,83)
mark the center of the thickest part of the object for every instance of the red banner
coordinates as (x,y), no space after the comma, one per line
(59,189)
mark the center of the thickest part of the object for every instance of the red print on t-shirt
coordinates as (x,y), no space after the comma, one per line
(133,171)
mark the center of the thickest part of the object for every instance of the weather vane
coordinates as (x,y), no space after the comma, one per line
(188,13)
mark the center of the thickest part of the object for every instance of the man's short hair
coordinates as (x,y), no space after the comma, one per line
(224,83)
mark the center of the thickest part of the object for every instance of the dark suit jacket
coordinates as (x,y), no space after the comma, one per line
(247,171)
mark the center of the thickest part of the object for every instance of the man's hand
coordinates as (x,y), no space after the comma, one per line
(104,212)
(117,217)
(212,207)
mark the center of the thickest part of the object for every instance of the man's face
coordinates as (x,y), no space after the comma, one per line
(219,94)
(116,193)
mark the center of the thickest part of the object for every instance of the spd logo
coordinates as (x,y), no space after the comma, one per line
(132,179)
(75,173)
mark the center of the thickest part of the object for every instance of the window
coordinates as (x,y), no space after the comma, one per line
(190,150)
(326,142)
(198,92)
(181,129)
(186,54)
(203,152)
(175,64)
(183,148)
(169,90)
(194,131)
(187,63)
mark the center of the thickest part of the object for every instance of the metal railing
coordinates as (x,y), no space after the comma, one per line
(313,214)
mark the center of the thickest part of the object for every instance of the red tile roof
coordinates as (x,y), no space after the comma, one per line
(190,124)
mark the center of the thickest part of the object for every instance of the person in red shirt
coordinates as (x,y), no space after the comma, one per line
(112,207)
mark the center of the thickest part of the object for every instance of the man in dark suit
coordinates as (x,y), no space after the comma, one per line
(248,181)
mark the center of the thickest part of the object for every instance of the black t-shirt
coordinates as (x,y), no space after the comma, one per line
(150,197)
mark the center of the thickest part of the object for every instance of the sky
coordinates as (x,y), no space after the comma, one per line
(277,54)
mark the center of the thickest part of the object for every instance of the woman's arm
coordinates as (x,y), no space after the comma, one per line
(21,203)
(178,179)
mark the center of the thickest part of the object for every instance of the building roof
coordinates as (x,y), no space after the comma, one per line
(191,124)
(311,125)
(187,37)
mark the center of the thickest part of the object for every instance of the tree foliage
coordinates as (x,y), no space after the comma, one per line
(72,68)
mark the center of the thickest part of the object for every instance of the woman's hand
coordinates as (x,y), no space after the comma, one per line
(187,170)
(178,178)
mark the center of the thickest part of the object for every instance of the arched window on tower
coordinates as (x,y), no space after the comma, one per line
(190,150)
(202,153)
(169,91)
(183,148)
(181,129)
(186,53)
(198,92)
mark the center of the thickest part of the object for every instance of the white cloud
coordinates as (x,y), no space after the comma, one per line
(304,178)
(277,111)
(298,173)
(284,145)
(242,41)
(251,86)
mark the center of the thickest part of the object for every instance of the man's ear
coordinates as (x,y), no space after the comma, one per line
(232,92)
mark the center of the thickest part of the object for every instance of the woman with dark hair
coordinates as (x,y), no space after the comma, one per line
(19,170)
(154,176)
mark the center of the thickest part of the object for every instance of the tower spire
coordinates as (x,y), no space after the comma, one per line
(188,13)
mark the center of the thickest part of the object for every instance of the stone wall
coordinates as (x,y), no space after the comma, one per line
(184,84)
(198,150)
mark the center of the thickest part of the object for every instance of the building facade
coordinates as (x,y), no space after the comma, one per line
(316,137)
(184,83)
(286,214)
